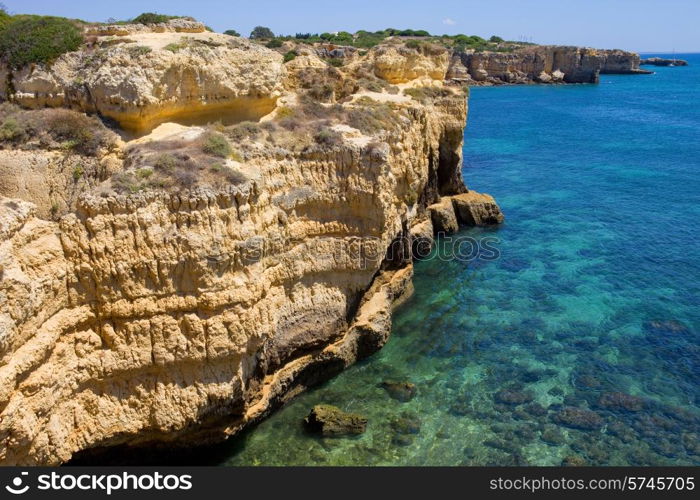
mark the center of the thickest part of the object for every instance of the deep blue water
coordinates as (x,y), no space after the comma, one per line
(592,305)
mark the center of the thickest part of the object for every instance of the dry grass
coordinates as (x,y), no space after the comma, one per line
(53,129)
(180,164)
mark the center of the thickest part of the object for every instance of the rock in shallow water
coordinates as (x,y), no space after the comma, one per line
(477,209)
(329,420)
(619,401)
(401,391)
(579,418)
(513,397)
(407,423)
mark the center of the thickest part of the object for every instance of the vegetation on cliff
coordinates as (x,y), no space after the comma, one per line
(28,39)
(60,129)
(368,39)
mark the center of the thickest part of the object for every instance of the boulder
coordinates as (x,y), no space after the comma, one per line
(513,397)
(422,239)
(477,209)
(443,216)
(401,391)
(619,401)
(329,420)
(579,418)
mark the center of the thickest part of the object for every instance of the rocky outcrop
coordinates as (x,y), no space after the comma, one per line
(178,25)
(151,78)
(541,64)
(443,216)
(400,64)
(476,209)
(330,421)
(660,61)
(170,318)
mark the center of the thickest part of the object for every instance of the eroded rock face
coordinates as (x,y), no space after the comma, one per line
(542,64)
(400,65)
(477,209)
(180,318)
(660,61)
(150,78)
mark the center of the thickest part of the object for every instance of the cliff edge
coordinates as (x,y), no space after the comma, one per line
(244,237)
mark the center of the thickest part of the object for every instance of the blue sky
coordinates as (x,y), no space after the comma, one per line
(639,25)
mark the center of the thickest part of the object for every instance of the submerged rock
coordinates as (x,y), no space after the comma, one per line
(579,418)
(573,461)
(329,420)
(552,435)
(619,401)
(401,391)
(513,397)
(407,423)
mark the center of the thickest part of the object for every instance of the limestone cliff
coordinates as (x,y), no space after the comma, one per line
(152,76)
(541,64)
(176,316)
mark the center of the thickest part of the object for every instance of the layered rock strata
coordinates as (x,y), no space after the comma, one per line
(541,64)
(660,61)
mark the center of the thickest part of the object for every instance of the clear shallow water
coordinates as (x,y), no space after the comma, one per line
(596,293)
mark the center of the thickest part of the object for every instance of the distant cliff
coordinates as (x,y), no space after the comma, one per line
(660,61)
(541,64)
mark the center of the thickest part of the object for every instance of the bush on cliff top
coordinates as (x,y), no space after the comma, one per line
(153,18)
(37,39)
(261,32)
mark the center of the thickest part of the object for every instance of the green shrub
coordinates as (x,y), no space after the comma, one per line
(413,44)
(261,32)
(78,173)
(75,130)
(424,94)
(284,112)
(152,18)
(290,56)
(328,137)
(36,39)
(335,62)
(232,33)
(12,130)
(139,50)
(165,162)
(371,118)
(174,47)
(216,145)
(4,17)
(245,130)
(274,43)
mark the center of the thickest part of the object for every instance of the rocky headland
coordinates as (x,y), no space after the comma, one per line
(660,61)
(240,232)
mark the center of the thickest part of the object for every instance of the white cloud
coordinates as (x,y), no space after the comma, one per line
(449,22)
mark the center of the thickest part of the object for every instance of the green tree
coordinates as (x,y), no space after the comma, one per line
(232,33)
(495,39)
(152,18)
(261,32)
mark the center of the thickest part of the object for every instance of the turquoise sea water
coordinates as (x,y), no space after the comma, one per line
(581,342)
